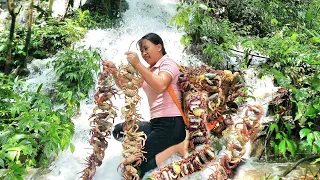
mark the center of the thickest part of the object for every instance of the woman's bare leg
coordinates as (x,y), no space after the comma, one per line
(165,154)
(181,149)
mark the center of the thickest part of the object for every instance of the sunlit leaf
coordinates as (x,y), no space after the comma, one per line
(315,162)
(294,37)
(274,21)
(310,138)
(1,163)
(17,137)
(279,136)
(317,137)
(315,40)
(11,155)
(290,147)
(282,147)
(304,132)
(273,126)
(288,127)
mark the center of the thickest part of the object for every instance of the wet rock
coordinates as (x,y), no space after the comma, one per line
(3,4)
(257,148)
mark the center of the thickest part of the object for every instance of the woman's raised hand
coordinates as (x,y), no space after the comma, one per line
(132,58)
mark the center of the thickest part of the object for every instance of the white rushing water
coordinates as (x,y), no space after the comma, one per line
(141,18)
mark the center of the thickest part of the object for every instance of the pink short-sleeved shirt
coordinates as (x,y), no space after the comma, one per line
(161,104)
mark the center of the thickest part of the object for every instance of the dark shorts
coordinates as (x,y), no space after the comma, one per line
(161,132)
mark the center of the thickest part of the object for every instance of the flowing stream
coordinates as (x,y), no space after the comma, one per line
(142,17)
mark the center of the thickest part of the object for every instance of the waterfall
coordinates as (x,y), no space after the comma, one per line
(141,18)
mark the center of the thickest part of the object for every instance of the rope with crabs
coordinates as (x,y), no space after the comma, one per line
(101,122)
(134,141)
(208,99)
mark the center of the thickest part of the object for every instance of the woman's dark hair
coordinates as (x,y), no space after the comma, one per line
(155,39)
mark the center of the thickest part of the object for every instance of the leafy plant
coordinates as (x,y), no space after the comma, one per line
(52,35)
(310,140)
(75,69)
(282,143)
(214,36)
(91,20)
(46,39)
(32,131)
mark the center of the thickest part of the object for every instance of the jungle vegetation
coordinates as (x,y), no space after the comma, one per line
(36,125)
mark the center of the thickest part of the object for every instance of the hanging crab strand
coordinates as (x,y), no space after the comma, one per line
(101,122)
(196,110)
(238,135)
(134,141)
(184,167)
(209,98)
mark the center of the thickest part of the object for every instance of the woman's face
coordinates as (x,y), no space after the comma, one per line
(150,52)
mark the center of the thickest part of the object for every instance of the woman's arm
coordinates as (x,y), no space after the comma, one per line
(158,82)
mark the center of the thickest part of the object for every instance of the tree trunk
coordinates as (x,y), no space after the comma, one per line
(22,69)
(28,38)
(11,8)
(69,3)
(50,8)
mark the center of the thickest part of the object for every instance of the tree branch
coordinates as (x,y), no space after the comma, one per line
(297,164)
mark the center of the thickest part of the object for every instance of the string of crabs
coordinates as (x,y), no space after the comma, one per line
(101,121)
(134,141)
(208,98)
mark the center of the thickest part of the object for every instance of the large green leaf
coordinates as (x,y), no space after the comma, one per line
(274,126)
(1,163)
(283,148)
(17,137)
(281,79)
(291,147)
(288,127)
(317,137)
(310,138)
(304,132)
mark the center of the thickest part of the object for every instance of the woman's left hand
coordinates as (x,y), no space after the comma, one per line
(132,58)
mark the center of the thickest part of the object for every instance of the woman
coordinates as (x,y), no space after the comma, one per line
(166,130)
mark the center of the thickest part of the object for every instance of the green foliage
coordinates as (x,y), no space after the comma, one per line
(294,63)
(282,142)
(46,39)
(32,131)
(91,20)
(310,140)
(75,70)
(263,17)
(295,66)
(214,35)
(52,35)
(17,47)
